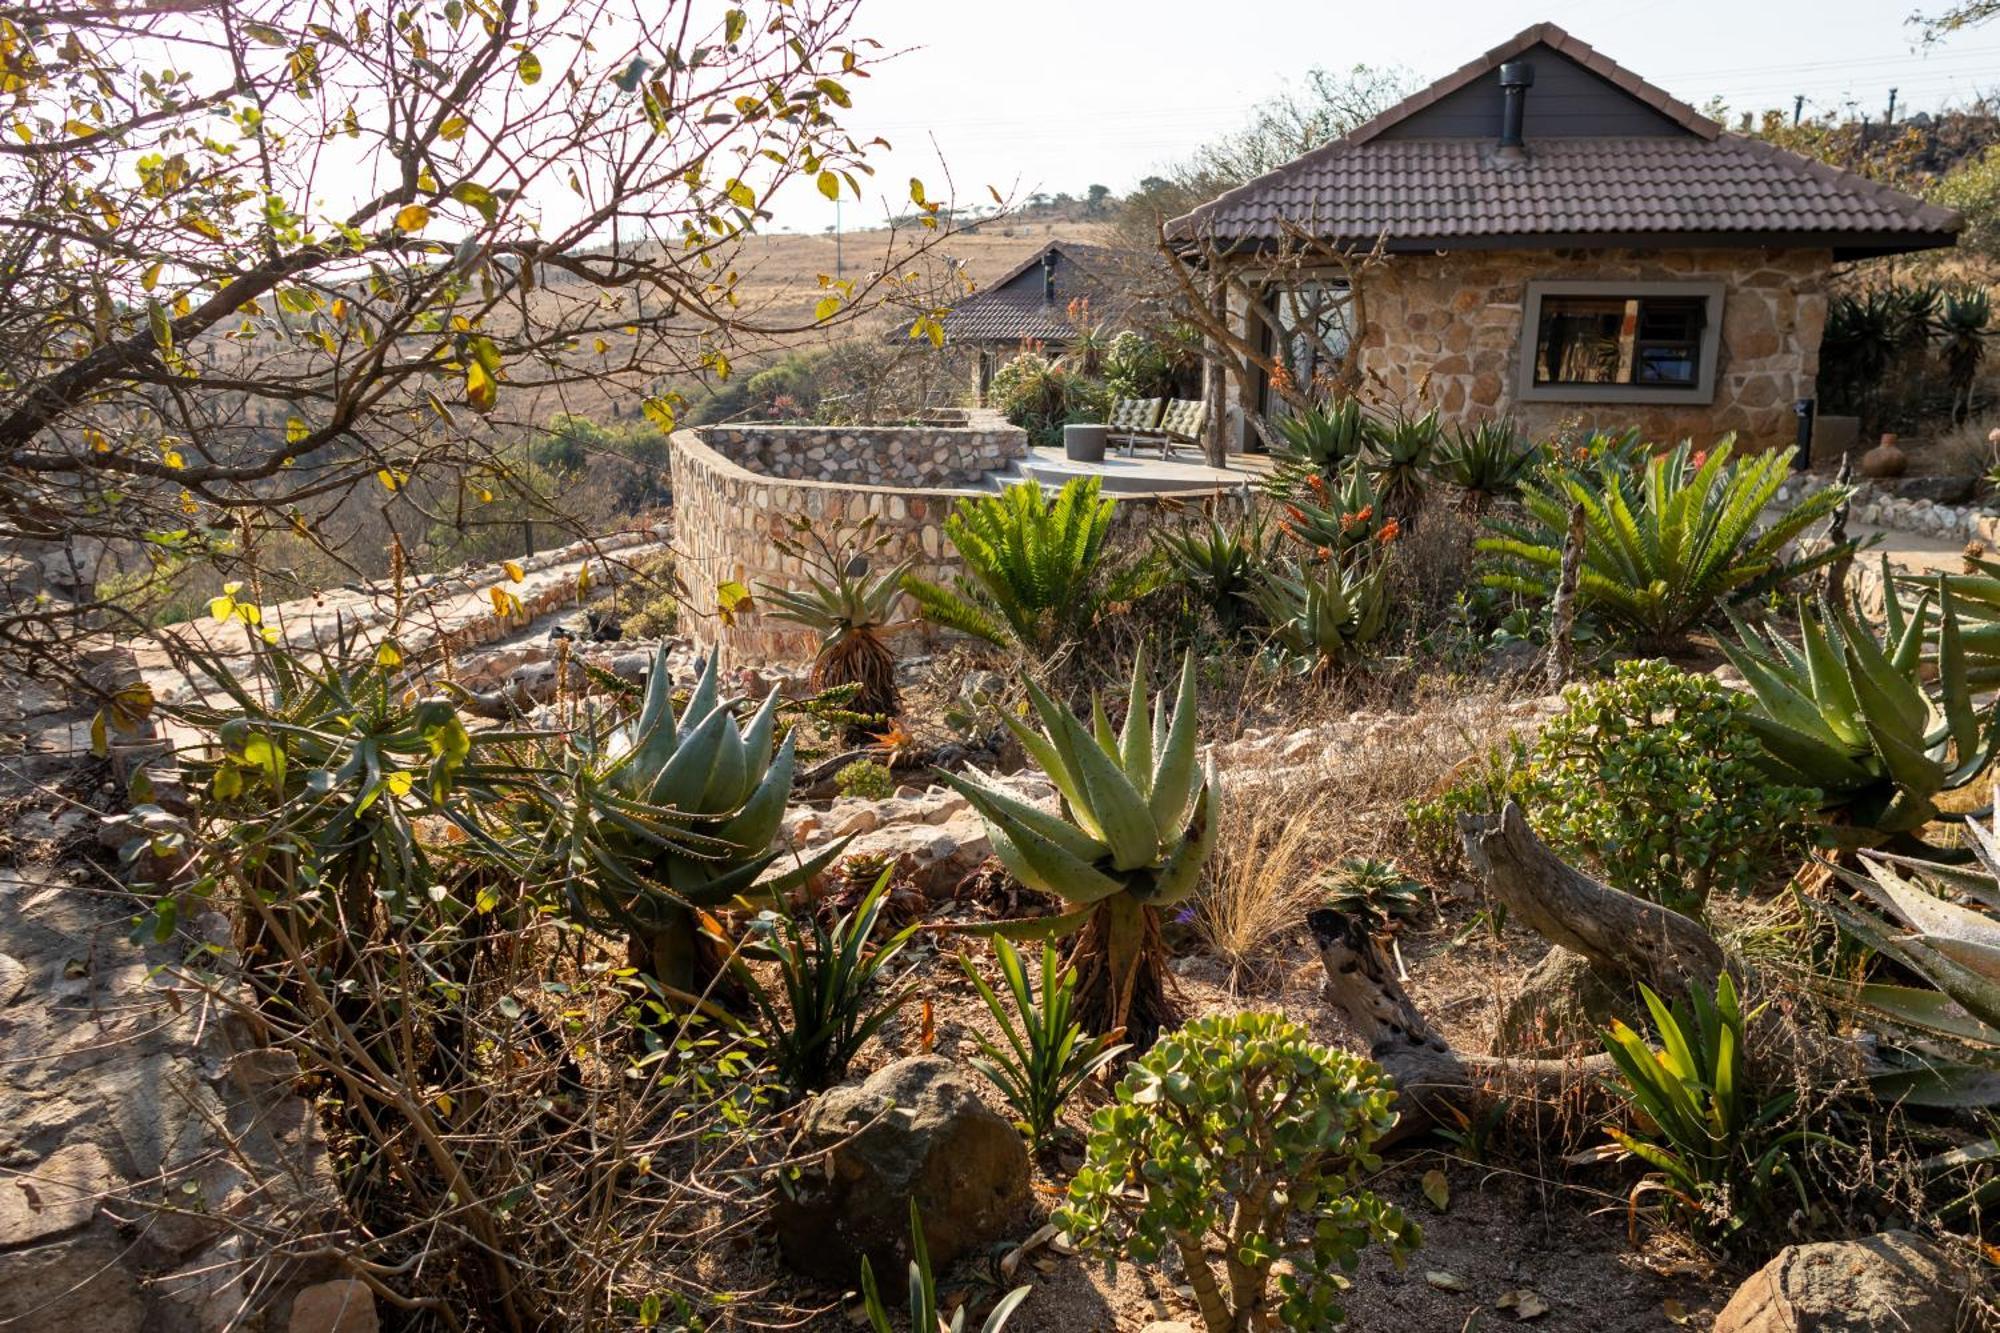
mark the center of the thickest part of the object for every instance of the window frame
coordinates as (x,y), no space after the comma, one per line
(1701,394)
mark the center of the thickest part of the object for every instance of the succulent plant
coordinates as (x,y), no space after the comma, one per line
(1138,823)
(1321,440)
(1374,891)
(1336,519)
(1322,615)
(673,817)
(1847,712)
(851,607)
(1486,461)
(1399,454)
(1216,565)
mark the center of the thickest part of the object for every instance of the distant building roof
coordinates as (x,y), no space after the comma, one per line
(1609,159)
(1028,304)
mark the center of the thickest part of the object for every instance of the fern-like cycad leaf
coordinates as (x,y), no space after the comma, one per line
(1664,550)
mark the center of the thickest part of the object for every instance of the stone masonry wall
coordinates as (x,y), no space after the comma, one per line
(726,515)
(1456,319)
(873,455)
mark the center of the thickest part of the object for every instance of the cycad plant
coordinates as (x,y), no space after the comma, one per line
(851,607)
(1048,1055)
(1486,461)
(1138,822)
(1037,571)
(1847,712)
(669,819)
(829,975)
(1666,553)
(1216,565)
(923,1306)
(1399,455)
(1716,1148)
(1323,615)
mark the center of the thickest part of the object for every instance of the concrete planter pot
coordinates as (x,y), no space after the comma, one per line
(1084,443)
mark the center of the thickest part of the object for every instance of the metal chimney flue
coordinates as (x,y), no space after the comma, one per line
(1516,77)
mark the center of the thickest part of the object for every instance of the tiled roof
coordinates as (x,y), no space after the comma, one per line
(1424,193)
(1423,190)
(1011,309)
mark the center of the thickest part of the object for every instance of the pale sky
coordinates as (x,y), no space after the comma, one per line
(1054,95)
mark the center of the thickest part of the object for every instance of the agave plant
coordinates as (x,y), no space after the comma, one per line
(1138,823)
(1664,553)
(1486,461)
(672,818)
(1218,566)
(852,609)
(1037,575)
(1847,712)
(1323,614)
(1399,454)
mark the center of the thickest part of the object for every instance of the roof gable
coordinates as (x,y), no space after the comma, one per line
(1567,101)
(1594,75)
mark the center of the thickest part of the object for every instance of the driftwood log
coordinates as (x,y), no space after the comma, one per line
(1619,939)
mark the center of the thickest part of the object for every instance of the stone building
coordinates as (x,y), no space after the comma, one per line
(1040,302)
(1563,243)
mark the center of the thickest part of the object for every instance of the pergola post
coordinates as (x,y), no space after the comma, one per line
(1215,389)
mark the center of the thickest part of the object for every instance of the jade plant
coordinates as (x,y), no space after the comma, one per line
(1137,824)
(1240,1137)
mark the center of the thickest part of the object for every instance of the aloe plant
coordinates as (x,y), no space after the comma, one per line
(1486,461)
(1322,616)
(1337,519)
(1320,441)
(851,606)
(1847,712)
(670,818)
(1216,565)
(1138,823)
(1399,455)
(1665,551)
(1976,595)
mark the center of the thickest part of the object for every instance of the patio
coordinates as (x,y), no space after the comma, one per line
(1135,474)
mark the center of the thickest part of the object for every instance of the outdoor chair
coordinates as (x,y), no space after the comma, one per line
(1182,423)
(1132,418)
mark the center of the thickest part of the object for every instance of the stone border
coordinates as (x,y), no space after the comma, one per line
(1925,518)
(912,456)
(726,517)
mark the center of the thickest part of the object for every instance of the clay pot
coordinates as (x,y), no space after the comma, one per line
(1885,460)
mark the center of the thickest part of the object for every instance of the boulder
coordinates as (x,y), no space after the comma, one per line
(914,1130)
(344,1306)
(1894,1280)
(939,854)
(1937,490)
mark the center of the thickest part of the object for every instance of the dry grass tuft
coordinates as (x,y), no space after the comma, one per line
(1264,877)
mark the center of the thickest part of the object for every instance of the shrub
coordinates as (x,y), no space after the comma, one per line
(1664,553)
(1482,786)
(1653,774)
(1036,575)
(827,974)
(1048,1056)
(1716,1147)
(865,780)
(1240,1134)
(1042,397)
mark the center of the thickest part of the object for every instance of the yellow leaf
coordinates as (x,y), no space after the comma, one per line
(514,572)
(398,783)
(480,390)
(412,217)
(392,481)
(453,128)
(388,655)
(829,185)
(602,347)
(173,459)
(828,307)
(530,67)
(151,278)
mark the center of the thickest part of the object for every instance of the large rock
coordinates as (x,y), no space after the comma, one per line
(915,1129)
(343,1306)
(1937,490)
(1892,1281)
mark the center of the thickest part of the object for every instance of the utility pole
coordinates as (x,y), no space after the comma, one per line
(1798,108)
(838,270)
(1890,119)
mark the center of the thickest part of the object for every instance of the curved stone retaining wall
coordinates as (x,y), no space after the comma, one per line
(726,517)
(873,455)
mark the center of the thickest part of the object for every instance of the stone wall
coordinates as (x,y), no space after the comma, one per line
(1444,330)
(726,517)
(932,455)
